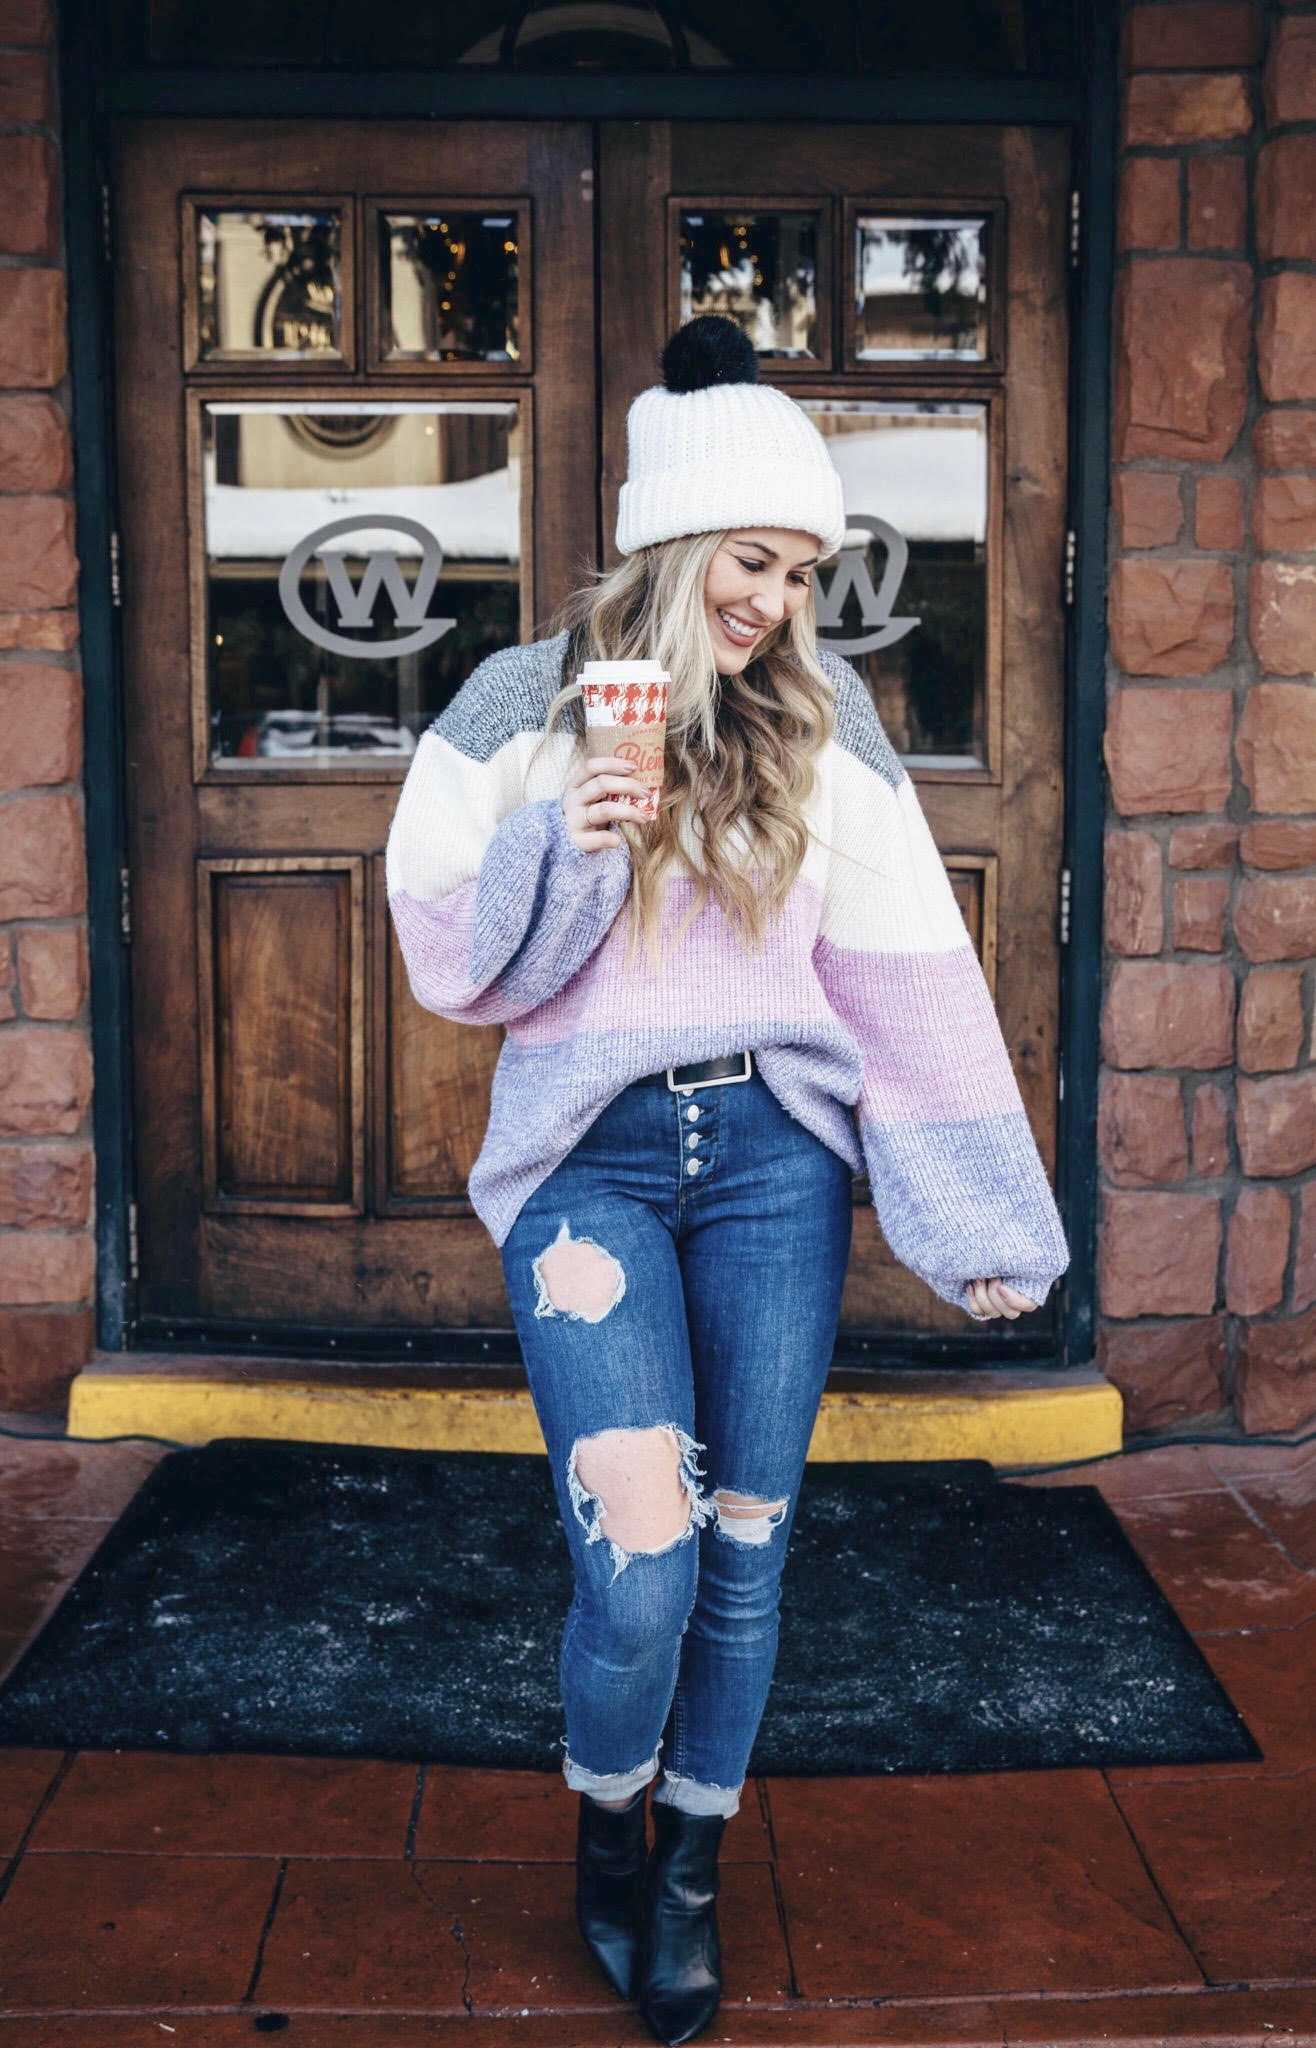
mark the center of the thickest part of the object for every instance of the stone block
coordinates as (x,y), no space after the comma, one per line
(1168,750)
(1191,35)
(1286,336)
(40,725)
(1276,1124)
(1284,512)
(1257,1251)
(1285,199)
(1274,919)
(1275,1375)
(1270,1024)
(1177,403)
(45,1185)
(25,24)
(25,87)
(1304,1256)
(1203,846)
(1288,85)
(1159,1254)
(43,867)
(1279,843)
(1276,746)
(1199,915)
(1282,616)
(29,179)
(39,632)
(45,1082)
(41,1352)
(38,566)
(52,971)
(33,342)
(1149,203)
(1141,1136)
(1148,508)
(35,451)
(1217,202)
(1285,440)
(1162,1013)
(1166,1372)
(1209,1125)
(1161,110)
(1218,513)
(44,1268)
(1171,618)
(1134,909)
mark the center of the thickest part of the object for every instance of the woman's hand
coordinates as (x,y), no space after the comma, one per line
(988,1298)
(592,796)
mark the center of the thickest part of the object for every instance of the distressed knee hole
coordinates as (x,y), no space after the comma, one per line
(577,1278)
(744,1518)
(638,1489)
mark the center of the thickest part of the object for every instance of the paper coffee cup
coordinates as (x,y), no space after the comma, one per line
(626,714)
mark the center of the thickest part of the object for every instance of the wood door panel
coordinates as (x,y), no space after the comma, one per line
(439,1077)
(281,949)
(423,1273)
(998,826)
(268,1127)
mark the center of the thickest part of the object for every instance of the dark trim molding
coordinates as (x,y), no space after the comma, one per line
(465,95)
(86,230)
(1086,708)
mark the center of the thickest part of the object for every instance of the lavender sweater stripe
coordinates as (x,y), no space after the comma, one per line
(864,997)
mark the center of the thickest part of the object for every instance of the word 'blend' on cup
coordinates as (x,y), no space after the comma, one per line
(626,715)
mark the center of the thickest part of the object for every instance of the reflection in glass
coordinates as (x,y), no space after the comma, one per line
(922,470)
(760,270)
(300,623)
(270,285)
(449,286)
(921,288)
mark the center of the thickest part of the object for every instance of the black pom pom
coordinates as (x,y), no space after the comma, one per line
(709,350)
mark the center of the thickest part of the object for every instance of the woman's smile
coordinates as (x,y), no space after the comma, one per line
(740,632)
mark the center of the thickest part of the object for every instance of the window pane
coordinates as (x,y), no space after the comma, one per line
(920,288)
(360,559)
(270,284)
(449,283)
(907,600)
(761,270)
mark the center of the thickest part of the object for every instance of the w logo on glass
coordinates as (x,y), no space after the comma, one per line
(355,602)
(850,578)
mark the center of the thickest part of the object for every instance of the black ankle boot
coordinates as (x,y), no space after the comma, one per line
(610,1886)
(681,1975)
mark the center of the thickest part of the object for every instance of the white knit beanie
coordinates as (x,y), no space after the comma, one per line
(710,448)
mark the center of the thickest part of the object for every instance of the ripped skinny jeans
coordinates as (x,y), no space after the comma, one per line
(723,1228)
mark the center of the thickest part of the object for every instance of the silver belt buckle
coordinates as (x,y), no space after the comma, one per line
(724,1080)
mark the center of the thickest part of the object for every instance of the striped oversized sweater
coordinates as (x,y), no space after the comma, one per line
(865,995)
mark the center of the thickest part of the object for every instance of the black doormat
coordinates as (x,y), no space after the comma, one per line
(311,1600)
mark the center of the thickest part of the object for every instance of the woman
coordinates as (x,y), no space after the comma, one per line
(696,1008)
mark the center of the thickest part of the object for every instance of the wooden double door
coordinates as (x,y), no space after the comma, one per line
(372,389)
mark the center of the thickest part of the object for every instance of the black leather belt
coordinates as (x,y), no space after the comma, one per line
(733,1066)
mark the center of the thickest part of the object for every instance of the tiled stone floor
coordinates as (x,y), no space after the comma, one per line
(207,1901)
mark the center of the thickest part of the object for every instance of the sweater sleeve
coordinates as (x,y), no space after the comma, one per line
(959,1187)
(494,905)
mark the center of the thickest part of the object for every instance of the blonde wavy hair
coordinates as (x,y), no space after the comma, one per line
(742,750)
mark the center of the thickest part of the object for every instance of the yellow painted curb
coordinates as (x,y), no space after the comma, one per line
(1077,1417)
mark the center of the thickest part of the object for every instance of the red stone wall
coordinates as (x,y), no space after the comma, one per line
(46,1244)
(1207,1127)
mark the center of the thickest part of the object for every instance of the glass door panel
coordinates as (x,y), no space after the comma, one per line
(361,556)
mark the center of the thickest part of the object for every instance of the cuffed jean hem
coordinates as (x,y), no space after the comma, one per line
(610,1784)
(688,1796)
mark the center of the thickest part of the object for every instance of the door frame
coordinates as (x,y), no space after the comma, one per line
(93,94)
